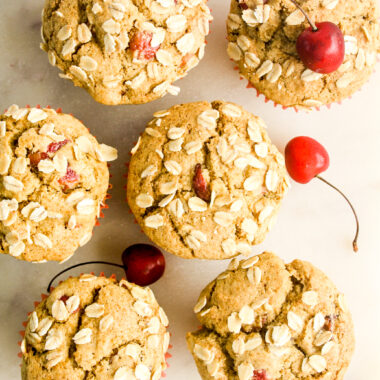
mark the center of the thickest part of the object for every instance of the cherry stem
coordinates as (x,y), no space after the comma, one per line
(306,15)
(355,241)
(80,265)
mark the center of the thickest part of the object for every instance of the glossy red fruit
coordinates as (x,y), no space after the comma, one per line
(143,264)
(305,158)
(321,50)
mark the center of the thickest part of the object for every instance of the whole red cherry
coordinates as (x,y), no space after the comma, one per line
(321,50)
(305,158)
(321,46)
(143,264)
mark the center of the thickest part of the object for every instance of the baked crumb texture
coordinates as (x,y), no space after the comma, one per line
(264,320)
(244,173)
(96,328)
(53,181)
(262,41)
(125,51)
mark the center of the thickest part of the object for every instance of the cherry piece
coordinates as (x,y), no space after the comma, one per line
(305,159)
(200,186)
(259,374)
(69,179)
(243,5)
(141,43)
(55,147)
(321,46)
(330,322)
(143,264)
(36,157)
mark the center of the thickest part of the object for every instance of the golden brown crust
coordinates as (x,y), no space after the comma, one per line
(94,43)
(287,320)
(264,47)
(245,172)
(44,216)
(94,328)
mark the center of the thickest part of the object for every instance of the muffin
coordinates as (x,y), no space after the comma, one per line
(53,180)
(96,328)
(262,319)
(262,41)
(205,181)
(125,52)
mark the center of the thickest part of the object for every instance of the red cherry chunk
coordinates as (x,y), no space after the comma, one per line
(321,50)
(259,374)
(200,185)
(69,179)
(55,147)
(305,158)
(36,157)
(243,5)
(143,264)
(141,43)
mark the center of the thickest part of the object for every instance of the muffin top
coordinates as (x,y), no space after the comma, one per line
(263,320)
(262,41)
(53,180)
(125,51)
(205,181)
(95,328)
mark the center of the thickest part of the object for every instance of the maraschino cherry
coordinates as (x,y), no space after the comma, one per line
(321,46)
(305,159)
(143,265)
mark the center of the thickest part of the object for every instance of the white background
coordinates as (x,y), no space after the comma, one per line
(314,224)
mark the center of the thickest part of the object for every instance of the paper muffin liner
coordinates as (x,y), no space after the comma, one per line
(295,108)
(43,297)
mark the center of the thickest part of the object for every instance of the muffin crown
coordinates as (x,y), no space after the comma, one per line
(95,324)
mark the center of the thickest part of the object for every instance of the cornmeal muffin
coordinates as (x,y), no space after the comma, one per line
(205,181)
(264,320)
(124,51)
(262,41)
(53,180)
(95,328)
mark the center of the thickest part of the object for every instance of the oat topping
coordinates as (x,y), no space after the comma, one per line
(164,197)
(264,329)
(171,37)
(105,331)
(262,41)
(43,159)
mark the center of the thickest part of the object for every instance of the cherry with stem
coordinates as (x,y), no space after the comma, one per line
(321,47)
(305,159)
(312,24)
(355,241)
(143,265)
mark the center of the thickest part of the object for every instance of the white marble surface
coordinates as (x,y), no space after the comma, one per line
(315,224)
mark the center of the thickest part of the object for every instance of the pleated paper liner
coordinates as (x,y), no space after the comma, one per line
(103,205)
(44,296)
(295,108)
